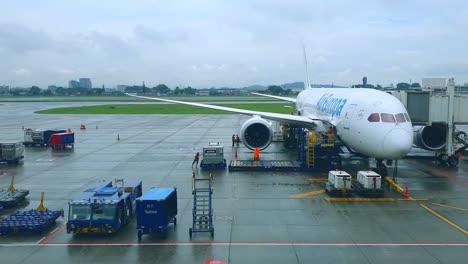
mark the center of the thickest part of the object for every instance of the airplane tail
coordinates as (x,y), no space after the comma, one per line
(307,81)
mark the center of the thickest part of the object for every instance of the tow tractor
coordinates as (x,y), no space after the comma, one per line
(104,208)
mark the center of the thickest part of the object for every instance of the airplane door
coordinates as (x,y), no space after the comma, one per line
(347,118)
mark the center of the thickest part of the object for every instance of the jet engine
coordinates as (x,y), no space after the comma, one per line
(430,137)
(256,132)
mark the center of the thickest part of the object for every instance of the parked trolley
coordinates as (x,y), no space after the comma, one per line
(368,183)
(12,196)
(104,208)
(62,140)
(213,157)
(339,183)
(156,209)
(11,152)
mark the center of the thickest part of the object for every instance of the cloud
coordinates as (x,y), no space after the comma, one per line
(22,72)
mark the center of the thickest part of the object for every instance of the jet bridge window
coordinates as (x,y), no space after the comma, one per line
(374,117)
(400,118)
(387,118)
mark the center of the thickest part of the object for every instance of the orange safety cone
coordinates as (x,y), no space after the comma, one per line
(82,126)
(406,194)
(235,154)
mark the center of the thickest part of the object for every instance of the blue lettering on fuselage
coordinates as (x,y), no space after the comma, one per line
(331,105)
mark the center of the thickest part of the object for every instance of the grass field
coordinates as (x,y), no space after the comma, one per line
(156,108)
(129,98)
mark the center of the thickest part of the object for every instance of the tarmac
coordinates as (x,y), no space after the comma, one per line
(259,217)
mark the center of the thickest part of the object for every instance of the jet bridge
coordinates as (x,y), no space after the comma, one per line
(441,112)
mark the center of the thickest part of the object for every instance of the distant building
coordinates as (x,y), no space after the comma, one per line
(73,84)
(434,83)
(121,88)
(4,89)
(85,83)
(52,88)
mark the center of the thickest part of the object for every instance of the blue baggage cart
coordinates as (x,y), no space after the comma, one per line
(156,209)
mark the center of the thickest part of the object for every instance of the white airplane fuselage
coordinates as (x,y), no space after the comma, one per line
(368,121)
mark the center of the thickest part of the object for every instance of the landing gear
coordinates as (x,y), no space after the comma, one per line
(381,168)
(452,161)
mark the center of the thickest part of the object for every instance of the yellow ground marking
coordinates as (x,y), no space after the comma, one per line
(317,179)
(449,206)
(302,195)
(395,185)
(336,199)
(413,199)
(444,219)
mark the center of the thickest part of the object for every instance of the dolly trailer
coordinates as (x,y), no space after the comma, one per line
(103,209)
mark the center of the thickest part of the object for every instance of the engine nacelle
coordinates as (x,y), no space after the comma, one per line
(256,132)
(430,137)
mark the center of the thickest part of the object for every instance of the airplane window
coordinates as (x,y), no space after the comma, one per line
(374,117)
(407,117)
(387,118)
(400,118)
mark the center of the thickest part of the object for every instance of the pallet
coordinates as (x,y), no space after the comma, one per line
(264,165)
(12,198)
(32,221)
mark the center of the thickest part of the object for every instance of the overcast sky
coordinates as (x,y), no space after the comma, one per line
(231,43)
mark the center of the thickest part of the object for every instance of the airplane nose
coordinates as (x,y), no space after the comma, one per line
(397,143)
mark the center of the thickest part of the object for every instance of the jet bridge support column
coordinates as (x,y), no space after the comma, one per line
(452,160)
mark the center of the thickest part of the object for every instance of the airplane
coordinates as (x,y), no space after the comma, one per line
(368,121)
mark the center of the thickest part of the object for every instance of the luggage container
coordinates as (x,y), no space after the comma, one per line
(156,209)
(213,156)
(62,140)
(339,182)
(368,183)
(11,152)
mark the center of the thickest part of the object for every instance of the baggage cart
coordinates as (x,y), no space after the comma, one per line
(62,140)
(32,221)
(12,196)
(339,183)
(369,183)
(11,152)
(156,209)
(213,157)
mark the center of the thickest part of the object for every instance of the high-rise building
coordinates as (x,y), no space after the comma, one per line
(73,84)
(85,83)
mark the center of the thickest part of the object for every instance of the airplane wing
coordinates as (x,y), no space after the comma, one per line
(288,99)
(302,121)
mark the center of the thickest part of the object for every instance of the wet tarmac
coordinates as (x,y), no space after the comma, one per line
(256,218)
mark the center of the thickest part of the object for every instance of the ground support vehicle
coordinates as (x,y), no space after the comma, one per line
(12,196)
(368,183)
(213,157)
(339,183)
(156,209)
(104,208)
(32,221)
(38,137)
(202,212)
(62,140)
(11,152)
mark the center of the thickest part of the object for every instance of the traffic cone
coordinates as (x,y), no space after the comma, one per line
(406,194)
(118,137)
(235,154)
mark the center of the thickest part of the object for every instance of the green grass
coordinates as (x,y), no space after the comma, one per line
(129,98)
(155,108)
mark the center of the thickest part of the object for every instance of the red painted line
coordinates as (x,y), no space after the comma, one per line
(441,173)
(52,235)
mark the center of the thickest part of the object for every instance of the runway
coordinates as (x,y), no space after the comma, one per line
(259,217)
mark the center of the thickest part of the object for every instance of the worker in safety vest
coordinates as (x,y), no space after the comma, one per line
(196,158)
(256,153)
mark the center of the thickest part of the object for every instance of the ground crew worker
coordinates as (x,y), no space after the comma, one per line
(195,159)
(237,140)
(256,153)
(233,139)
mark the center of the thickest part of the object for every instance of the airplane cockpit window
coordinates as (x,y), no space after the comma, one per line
(400,118)
(387,118)
(374,117)
(407,117)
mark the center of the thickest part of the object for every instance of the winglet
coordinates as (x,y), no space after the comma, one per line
(306,84)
